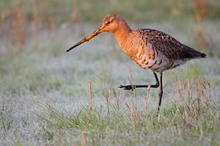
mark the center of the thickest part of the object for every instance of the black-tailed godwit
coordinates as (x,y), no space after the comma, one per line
(149,48)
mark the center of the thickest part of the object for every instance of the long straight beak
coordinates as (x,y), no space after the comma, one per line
(92,35)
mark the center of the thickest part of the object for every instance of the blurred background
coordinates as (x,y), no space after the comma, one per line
(30,25)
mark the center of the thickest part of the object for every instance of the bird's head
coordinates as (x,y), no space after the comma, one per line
(109,24)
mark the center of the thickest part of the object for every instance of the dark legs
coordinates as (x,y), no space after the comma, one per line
(158,84)
(160,91)
(132,87)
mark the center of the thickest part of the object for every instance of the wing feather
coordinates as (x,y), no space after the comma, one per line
(169,46)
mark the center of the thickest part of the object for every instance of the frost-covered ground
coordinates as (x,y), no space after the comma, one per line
(45,96)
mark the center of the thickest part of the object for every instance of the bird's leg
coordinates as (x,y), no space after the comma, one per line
(160,92)
(132,87)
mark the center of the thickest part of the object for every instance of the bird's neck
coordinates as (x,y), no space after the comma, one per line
(122,33)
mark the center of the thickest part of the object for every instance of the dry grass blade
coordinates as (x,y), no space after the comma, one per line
(200,10)
(5,106)
(147,100)
(198,89)
(130,108)
(180,91)
(90,97)
(107,97)
(18,24)
(117,100)
(83,138)
(35,24)
(5,32)
(190,100)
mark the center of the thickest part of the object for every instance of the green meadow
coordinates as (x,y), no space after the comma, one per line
(51,97)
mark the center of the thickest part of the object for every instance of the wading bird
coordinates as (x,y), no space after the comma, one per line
(149,48)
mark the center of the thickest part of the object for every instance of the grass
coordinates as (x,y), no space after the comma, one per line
(116,128)
(50,97)
(45,100)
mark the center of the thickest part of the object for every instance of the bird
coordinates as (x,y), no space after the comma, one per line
(151,49)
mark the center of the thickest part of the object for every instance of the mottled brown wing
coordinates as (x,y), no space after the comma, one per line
(170,47)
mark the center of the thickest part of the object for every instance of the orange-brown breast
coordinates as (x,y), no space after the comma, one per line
(150,54)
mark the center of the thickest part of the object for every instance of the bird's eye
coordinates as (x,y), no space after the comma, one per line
(108,22)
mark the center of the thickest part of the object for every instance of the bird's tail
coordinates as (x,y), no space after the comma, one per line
(197,54)
(191,53)
(202,55)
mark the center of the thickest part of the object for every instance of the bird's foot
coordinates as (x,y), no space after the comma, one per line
(127,87)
